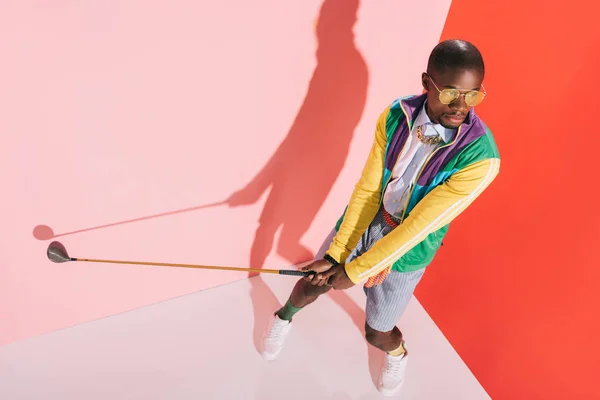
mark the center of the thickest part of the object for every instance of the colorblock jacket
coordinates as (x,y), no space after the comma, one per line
(448,182)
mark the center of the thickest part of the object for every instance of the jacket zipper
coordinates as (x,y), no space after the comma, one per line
(397,158)
(421,170)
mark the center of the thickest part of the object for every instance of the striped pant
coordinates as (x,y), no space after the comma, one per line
(387,301)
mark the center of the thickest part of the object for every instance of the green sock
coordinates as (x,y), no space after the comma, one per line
(287,312)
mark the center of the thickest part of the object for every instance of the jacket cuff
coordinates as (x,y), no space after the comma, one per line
(331,260)
(338,253)
(352,272)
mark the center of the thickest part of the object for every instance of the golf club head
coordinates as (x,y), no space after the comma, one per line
(58,253)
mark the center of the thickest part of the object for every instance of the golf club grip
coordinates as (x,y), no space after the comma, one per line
(295,272)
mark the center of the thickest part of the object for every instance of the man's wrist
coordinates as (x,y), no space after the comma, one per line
(331,260)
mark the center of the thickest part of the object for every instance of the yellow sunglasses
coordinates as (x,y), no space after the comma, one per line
(472,97)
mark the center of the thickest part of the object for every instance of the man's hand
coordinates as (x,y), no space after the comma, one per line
(338,278)
(319,267)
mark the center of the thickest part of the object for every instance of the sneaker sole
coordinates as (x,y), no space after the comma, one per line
(389,392)
(270,357)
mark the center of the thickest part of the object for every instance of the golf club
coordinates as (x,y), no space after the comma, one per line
(58,253)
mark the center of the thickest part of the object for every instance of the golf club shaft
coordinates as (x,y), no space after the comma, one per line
(259,270)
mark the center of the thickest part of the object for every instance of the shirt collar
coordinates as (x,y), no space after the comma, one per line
(423,119)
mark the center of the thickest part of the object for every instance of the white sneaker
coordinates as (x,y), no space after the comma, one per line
(392,376)
(274,336)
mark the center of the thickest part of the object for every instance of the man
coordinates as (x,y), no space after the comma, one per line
(431,158)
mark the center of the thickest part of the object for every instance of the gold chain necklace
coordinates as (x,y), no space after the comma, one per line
(427,139)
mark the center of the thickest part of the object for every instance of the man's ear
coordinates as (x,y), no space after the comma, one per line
(425,81)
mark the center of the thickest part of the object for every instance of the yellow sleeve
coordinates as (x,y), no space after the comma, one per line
(437,209)
(364,203)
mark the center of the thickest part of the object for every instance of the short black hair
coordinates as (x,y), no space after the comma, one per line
(455,54)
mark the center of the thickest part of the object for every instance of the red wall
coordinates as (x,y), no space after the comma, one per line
(516,286)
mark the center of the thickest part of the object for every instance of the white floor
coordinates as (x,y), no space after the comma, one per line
(202,346)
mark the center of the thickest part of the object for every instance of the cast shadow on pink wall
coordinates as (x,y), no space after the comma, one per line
(44,232)
(304,168)
(306,165)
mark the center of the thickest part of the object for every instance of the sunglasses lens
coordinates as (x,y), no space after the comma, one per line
(474,98)
(447,96)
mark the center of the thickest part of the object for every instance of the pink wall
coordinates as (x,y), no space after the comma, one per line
(113,111)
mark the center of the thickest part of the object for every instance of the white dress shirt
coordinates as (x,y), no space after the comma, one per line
(413,155)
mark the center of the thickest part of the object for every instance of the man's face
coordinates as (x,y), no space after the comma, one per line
(450,115)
